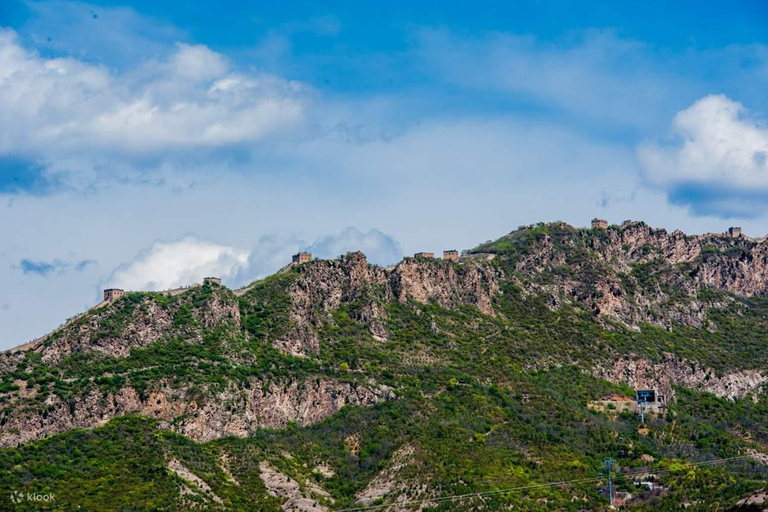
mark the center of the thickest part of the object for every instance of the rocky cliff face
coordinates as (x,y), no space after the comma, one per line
(636,274)
(474,282)
(324,286)
(198,413)
(315,291)
(738,265)
(642,373)
(321,287)
(310,295)
(113,329)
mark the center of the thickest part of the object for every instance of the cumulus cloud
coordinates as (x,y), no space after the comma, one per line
(271,253)
(274,251)
(79,117)
(198,62)
(716,161)
(180,263)
(187,261)
(378,247)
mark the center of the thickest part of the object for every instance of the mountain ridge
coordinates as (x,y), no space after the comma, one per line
(615,309)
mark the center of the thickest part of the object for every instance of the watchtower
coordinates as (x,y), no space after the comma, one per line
(112,294)
(734,231)
(451,254)
(212,280)
(424,255)
(599,223)
(302,257)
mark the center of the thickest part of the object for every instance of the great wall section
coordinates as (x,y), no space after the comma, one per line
(112,294)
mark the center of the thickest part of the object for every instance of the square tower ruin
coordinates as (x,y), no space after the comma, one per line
(112,294)
(451,254)
(302,257)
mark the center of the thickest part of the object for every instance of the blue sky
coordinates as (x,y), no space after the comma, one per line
(147,144)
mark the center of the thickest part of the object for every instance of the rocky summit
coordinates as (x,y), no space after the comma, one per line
(437,384)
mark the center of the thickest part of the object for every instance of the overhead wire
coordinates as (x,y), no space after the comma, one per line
(483,494)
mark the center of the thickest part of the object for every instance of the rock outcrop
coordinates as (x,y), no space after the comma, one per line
(641,373)
(637,274)
(115,328)
(394,485)
(196,413)
(296,499)
(324,286)
(475,283)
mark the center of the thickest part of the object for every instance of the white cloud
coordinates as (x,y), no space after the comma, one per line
(81,117)
(271,253)
(173,264)
(378,247)
(198,62)
(274,251)
(187,261)
(719,143)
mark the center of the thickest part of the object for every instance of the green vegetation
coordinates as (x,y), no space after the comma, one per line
(122,466)
(264,308)
(483,403)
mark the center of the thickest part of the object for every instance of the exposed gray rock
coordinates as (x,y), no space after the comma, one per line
(641,373)
(234,412)
(283,486)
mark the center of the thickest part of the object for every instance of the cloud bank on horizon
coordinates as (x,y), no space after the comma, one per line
(169,265)
(170,142)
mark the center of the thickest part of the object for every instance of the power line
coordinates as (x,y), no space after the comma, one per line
(608,465)
(536,486)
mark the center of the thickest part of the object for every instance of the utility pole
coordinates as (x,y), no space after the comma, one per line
(641,403)
(608,465)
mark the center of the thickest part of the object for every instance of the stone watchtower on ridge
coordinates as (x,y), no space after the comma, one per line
(112,294)
(599,223)
(212,280)
(302,257)
(451,254)
(734,231)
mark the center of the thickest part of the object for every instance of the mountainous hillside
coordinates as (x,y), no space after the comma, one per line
(337,384)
